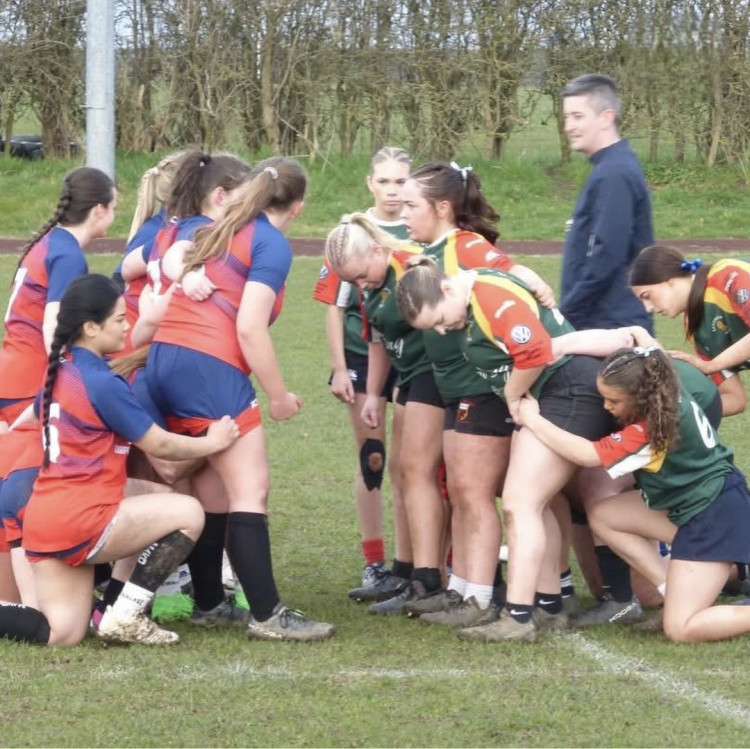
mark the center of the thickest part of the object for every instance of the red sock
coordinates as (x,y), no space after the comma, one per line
(373,550)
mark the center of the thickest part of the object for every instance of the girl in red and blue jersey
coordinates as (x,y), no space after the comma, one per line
(246,259)
(690,494)
(202,189)
(48,263)
(149,217)
(77,515)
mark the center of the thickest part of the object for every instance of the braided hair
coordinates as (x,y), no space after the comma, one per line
(82,189)
(88,298)
(648,379)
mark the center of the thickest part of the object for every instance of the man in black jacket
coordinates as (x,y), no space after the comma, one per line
(611,222)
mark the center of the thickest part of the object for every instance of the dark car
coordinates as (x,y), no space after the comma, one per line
(31,147)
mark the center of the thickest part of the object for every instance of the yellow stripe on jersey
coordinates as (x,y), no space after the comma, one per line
(450,256)
(502,282)
(398,266)
(719,297)
(644,460)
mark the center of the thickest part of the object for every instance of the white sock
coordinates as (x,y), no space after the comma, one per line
(132,600)
(458,584)
(662,588)
(482,594)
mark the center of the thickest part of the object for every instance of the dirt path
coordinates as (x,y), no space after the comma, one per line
(315,246)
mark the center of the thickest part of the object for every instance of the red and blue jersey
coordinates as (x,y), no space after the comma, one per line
(260,253)
(94,417)
(142,242)
(44,274)
(174,231)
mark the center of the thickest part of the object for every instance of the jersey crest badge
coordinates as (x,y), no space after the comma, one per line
(521,334)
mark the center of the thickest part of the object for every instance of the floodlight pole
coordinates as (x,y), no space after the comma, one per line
(100,85)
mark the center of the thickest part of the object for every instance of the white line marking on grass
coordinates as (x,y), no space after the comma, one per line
(241,670)
(661,681)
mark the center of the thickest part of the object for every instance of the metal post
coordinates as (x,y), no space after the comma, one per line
(100,85)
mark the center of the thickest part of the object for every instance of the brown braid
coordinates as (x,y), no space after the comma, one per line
(88,298)
(82,189)
(62,206)
(58,342)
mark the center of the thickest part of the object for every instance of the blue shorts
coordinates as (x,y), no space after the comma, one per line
(143,396)
(14,496)
(721,532)
(186,384)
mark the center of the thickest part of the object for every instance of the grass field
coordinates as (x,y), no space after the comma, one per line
(391,682)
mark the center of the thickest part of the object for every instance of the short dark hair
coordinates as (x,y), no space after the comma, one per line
(601,88)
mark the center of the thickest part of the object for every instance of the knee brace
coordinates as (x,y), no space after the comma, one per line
(372,463)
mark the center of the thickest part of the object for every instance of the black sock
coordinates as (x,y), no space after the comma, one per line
(249,550)
(615,574)
(566,584)
(519,611)
(549,602)
(110,594)
(157,562)
(102,574)
(402,569)
(205,561)
(23,624)
(429,577)
(498,581)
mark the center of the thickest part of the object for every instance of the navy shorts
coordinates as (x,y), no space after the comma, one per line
(420,389)
(721,532)
(571,401)
(356,365)
(186,383)
(143,396)
(485,415)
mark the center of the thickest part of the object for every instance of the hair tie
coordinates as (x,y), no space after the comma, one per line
(462,170)
(205,159)
(691,265)
(645,352)
(272,171)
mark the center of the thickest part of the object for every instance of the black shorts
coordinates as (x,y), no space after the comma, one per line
(720,532)
(485,415)
(571,401)
(420,389)
(356,365)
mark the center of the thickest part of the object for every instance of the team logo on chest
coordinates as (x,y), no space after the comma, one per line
(323,273)
(521,333)
(719,325)
(743,295)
